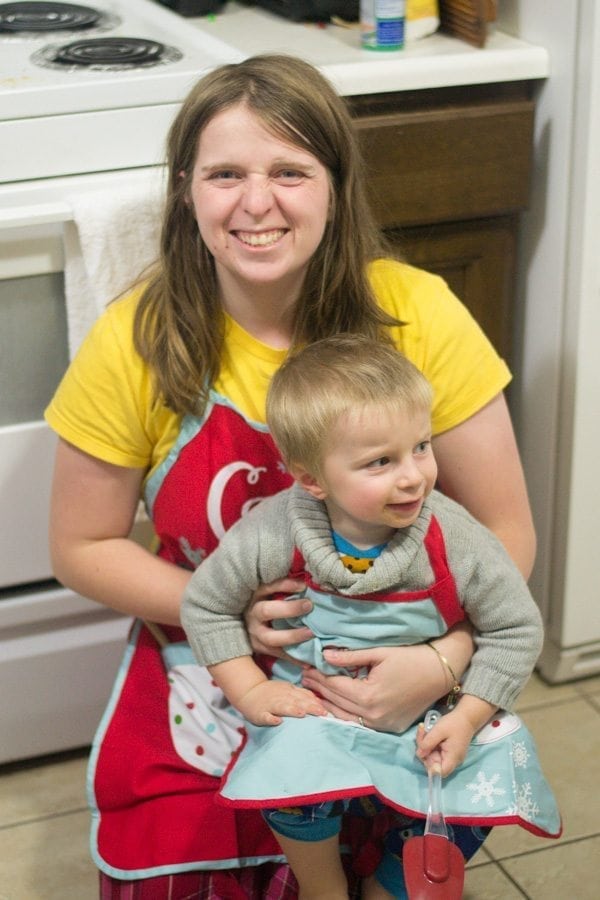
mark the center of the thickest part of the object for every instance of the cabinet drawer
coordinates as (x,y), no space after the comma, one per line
(440,160)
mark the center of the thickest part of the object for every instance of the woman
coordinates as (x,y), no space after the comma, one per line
(267,243)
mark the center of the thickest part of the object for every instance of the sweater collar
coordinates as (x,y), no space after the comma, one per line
(311,533)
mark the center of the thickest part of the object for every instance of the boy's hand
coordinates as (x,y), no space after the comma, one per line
(268,701)
(447,742)
(452,734)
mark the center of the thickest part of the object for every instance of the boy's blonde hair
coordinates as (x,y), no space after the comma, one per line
(326,380)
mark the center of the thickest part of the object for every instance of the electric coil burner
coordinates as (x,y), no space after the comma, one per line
(107,51)
(44,18)
(107,54)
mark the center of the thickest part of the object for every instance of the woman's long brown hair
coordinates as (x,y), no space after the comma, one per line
(179,322)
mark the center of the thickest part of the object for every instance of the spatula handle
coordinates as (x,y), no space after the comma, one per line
(435,823)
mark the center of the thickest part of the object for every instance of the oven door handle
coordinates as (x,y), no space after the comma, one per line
(49,202)
(36,214)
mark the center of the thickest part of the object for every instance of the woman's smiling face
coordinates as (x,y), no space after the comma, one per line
(261,204)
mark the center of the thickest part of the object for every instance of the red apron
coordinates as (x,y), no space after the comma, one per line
(153,812)
(153,807)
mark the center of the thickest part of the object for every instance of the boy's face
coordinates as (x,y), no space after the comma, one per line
(378,469)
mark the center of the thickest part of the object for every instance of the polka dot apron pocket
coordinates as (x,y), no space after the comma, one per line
(205,729)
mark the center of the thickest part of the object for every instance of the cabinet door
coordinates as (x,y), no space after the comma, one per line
(448,174)
(477,259)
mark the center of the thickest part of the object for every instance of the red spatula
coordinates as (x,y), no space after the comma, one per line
(434,867)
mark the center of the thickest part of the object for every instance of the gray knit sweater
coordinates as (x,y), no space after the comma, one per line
(259,549)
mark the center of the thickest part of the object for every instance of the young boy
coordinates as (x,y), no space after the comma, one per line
(387,560)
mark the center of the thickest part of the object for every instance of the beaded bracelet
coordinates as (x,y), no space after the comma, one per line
(455,689)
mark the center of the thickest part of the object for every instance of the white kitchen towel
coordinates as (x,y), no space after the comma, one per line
(112,238)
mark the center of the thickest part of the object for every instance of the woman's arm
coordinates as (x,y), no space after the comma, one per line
(479,466)
(92,510)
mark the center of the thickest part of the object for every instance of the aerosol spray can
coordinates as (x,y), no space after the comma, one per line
(382,24)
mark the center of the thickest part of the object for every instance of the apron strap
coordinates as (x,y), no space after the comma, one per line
(443,590)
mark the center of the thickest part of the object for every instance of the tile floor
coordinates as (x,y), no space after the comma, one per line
(44,821)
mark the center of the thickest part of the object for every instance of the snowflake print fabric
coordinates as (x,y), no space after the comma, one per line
(499,783)
(485,789)
(526,807)
(520,754)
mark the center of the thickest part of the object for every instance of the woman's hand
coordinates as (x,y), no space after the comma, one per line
(403,682)
(389,698)
(263,610)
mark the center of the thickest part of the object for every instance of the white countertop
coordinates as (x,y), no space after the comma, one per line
(434,61)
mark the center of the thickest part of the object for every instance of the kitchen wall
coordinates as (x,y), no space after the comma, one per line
(558,378)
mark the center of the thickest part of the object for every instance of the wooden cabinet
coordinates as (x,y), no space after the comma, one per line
(448,173)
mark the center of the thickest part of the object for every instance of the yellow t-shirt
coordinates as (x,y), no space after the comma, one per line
(105,405)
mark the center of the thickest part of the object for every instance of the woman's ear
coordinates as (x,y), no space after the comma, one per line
(186,199)
(309,482)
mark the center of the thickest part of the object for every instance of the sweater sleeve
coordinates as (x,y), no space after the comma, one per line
(253,552)
(497,601)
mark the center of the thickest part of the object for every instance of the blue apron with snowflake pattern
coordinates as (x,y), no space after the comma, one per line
(319,759)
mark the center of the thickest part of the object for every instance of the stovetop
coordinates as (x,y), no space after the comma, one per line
(61,119)
(169,55)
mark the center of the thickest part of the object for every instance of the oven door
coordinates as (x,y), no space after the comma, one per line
(33,356)
(59,652)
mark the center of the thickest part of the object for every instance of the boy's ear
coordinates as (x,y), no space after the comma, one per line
(307,481)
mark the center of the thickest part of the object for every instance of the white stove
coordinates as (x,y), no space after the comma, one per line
(94,110)
(66,130)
